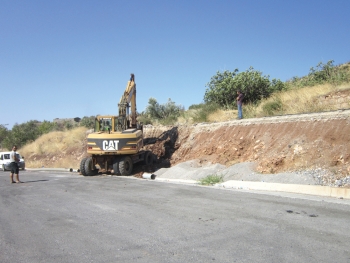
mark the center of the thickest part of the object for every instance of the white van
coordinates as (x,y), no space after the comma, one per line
(5,161)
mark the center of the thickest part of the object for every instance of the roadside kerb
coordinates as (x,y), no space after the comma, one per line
(317,190)
(290,188)
(177,180)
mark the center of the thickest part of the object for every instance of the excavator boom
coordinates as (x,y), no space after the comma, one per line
(129,97)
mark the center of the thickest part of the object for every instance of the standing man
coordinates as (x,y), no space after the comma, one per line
(239,99)
(14,165)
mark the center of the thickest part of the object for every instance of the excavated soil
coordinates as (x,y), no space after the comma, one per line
(274,144)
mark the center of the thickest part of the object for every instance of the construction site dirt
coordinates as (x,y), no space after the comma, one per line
(274,144)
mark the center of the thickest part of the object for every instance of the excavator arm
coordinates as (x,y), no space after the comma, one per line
(126,119)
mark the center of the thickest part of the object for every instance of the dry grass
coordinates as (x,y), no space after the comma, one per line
(221,115)
(186,117)
(303,100)
(216,116)
(54,142)
(57,147)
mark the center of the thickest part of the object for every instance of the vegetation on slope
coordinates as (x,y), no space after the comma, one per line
(298,95)
(63,149)
(24,133)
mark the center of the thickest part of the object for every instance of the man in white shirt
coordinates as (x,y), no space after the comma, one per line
(14,165)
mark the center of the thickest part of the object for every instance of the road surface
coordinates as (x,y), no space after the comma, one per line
(65,217)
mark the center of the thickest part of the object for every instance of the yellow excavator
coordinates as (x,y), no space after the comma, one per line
(117,141)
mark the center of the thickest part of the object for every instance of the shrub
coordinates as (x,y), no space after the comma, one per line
(164,113)
(322,74)
(203,111)
(271,107)
(211,180)
(88,122)
(144,119)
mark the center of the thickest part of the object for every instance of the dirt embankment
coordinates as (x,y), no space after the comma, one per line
(275,144)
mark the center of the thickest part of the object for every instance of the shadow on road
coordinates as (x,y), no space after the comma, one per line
(36,181)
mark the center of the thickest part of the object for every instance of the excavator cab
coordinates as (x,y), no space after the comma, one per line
(103,124)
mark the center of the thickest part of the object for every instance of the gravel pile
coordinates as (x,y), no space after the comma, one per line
(325,177)
(194,170)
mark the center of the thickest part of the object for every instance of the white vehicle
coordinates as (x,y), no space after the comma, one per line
(5,161)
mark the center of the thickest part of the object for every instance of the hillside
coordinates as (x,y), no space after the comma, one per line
(274,144)
(310,129)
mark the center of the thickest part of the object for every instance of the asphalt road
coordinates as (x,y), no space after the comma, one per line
(64,217)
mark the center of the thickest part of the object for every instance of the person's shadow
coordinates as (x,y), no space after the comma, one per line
(36,181)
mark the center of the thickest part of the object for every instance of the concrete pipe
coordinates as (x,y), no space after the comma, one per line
(148,176)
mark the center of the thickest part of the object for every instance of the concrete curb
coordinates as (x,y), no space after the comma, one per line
(316,190)
(177,180)
(290,188)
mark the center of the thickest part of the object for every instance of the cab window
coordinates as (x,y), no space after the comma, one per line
(105,124)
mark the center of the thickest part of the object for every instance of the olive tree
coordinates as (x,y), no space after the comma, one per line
(222,88)
(162,111)
(22,133)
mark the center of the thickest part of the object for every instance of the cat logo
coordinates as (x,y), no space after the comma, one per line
(110,145)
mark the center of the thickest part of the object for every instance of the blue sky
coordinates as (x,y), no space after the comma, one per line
(73,58)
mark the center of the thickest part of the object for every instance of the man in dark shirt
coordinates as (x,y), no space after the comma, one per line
(239,104)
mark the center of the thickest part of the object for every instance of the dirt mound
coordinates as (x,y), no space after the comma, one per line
(274,144)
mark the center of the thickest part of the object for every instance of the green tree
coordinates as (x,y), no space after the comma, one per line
(222,88)
(153,110)
(88,122)
(158,111)
(68,125)
(22,133)
(322,72)
(46,127)
(169,110)
(3,134)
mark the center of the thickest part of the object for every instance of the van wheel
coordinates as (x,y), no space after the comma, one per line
(82,166)
(148,159)
(89,167)
(125,165)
